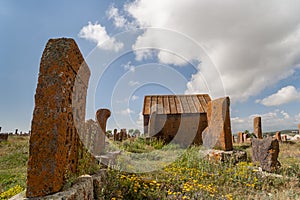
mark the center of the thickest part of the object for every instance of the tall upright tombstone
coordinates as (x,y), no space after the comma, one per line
(102,116)
(218,133)
(58,116)
(257,127)
(299,128)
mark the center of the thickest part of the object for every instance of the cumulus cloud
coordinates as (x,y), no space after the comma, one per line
(97,34)
(271,121)
(126,111)
(253,44)
(284,95)
(129,66)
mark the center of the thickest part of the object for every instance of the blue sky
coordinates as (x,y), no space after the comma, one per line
(184,47)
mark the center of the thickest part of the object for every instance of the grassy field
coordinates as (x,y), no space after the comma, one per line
(13,160)
(189,177)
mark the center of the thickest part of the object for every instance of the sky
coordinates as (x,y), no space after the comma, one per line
(247,50)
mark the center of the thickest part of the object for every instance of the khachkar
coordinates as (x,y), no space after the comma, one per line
(58,116)
(218,133)
(257,127)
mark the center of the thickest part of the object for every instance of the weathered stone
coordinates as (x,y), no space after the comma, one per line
(58,115)
(218,133)
(284,138)
(298,128)
(115,134)
(265,152)
(3,137)
(233,139)
(278,136)
(234,156)
(245,137)
(0,129)
(102,116)
(240,137)
(257,127)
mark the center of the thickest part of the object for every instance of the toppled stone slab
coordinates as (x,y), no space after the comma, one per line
(218,133)
(3,137)
(58,117)
(265,153)
(233,156)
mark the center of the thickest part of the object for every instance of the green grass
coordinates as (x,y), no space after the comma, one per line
(13,164)
(191,177)
(187,177)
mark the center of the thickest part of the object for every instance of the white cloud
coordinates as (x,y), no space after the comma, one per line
(129,67)
(118,20)
(140,121)
(134,97)
(284,95)
(126,111)
(271,121)
(133,83)
(97,34)
(253,43)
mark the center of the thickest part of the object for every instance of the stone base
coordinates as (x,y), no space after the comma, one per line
(86,187)
(234,156)
(109,158)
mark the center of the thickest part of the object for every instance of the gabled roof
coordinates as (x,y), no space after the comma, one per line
(175,104)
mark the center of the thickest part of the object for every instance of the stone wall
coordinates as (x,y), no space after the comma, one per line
(58,117)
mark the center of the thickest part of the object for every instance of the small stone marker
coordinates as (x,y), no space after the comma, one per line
(218,133)
(240,137)
(284,138)
(102,116)
(257,127)
(265,152)
(278,136)
(3,137)
(115,134)
(59,110)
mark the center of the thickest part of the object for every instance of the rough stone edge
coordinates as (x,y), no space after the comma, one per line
(86,187)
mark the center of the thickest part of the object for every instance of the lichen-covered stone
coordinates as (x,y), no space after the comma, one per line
(233,156)
(58,116)
(265,153)
(218,133)
(257,127)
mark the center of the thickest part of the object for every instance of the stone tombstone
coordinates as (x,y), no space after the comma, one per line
(284,138)
(298,128)
(115,134)
(240,137)
(257,127)
(0,129)
(16,132)
(60,102)
(123,134)
(245,137)
(218,133)
(102,116)
(265,152)
(233,139)
(278,136)
(3,137)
